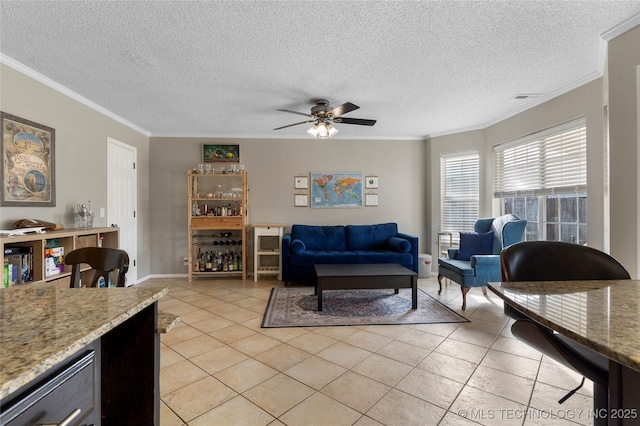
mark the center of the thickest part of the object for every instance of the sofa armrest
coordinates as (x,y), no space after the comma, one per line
(485,260)
(414,249)
(285,252)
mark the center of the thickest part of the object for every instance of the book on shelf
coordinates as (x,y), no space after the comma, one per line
(20,264)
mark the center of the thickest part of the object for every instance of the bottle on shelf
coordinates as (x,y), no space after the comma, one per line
(208,266)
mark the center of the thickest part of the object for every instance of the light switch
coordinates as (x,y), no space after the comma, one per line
(101,211)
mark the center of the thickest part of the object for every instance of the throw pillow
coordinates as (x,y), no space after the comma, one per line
(399,244)
(472,243)
(297,247)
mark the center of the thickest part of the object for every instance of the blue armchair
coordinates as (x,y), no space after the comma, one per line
(479,269)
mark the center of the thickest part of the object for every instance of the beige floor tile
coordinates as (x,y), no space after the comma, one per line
(196,316)
(448,366)
(236,412)
(320,410)
(232,333)
(175,306)
(404,352)
(513,364)
(487,409)
(242,315)
(179,375)
(443,330)
(196,346)
(315,372)
(284,334)
(367,421)
(503,384)
(168,356)
(278,394)
(579,406)
(560,417)
(562,377)
(168,417)
(179,333)
(437,390)
(344,354)
(421,338)
(451,419)
(462,350)
(367,340)
(382,369)
(218,359)
(399,408)
(356,391)
(197,398)
(255,344)
(516,347)
(312,342)
(337,333)
(282,356)
(245,375)
(391,331)
(474,337)
(212,324)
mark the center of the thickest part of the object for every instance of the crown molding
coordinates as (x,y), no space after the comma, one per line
(68,92)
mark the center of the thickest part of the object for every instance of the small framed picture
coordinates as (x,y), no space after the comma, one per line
(300,200)
(301,182)
(371,182)
(371,200)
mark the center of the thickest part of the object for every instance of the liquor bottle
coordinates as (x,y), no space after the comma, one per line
(208,266)
(202,262)
(240,261)
(196,264)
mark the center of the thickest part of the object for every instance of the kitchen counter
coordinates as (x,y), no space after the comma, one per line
(41,326)
(602,315)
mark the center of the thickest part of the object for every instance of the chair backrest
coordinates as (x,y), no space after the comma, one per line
(558,261)
(102,260)
(507,229)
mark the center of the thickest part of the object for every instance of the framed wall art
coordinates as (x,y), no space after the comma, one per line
(301,182)
(371,200)
(220,153)
(28,163)
(300,200)
(371,182)
(336,190)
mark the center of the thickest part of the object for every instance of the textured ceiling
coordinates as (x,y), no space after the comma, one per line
(221,69)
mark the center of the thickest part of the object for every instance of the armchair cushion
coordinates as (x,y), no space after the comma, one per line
(472,243)
(399,244)
(297,247)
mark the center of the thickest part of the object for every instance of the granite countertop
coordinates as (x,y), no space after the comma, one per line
(602,315)
(41,325)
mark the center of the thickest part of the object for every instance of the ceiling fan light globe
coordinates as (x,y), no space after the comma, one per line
(332,131)
(313,131)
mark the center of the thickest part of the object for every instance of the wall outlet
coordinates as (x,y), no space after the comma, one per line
(186,261)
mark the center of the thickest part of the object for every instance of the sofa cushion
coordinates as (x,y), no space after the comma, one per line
(472,243)
(399,244)
(313,257)
(320,237)
(297,247)
(370,237)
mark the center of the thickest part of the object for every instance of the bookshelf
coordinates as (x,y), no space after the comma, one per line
(68,240)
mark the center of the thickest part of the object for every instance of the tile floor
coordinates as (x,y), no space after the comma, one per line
(218,367)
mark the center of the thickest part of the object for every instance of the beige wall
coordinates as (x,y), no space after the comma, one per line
(80,154)
(271,165)
(623,99)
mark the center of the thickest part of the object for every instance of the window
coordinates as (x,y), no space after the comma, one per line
(543,178)
(459,192)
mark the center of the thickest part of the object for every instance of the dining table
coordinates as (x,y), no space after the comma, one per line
(601,315)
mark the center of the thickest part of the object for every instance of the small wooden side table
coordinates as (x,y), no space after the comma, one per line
(267,242)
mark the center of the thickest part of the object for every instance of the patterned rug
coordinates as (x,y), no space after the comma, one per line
(298,307)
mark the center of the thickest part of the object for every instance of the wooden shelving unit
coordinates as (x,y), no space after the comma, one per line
(217,222)
(69,239)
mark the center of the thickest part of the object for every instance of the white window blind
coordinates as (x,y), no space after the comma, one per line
(459,192)
(550,162)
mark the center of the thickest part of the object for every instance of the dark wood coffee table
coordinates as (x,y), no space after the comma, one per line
(366,276)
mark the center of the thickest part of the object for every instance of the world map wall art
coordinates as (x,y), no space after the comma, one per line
(336,190)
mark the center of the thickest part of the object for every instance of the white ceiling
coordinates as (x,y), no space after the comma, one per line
(222,68)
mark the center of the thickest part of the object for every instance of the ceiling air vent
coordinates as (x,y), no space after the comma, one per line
(526,96)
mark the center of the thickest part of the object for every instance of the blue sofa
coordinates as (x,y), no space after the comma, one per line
(308,245)
(480,264)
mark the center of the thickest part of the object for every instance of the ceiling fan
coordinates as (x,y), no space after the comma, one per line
(324,116)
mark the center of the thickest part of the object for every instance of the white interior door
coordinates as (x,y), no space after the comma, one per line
(122,199)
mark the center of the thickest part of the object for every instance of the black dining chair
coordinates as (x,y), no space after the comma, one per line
(103,261)
(560,261)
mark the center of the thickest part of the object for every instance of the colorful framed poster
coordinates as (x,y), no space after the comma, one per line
(28,163)
(220,153)
(336,190)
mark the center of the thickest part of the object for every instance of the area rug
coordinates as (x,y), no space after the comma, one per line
(298,307)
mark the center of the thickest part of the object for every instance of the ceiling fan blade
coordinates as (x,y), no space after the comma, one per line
(296,112)
(360,121)
(294,124)
(343,109)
